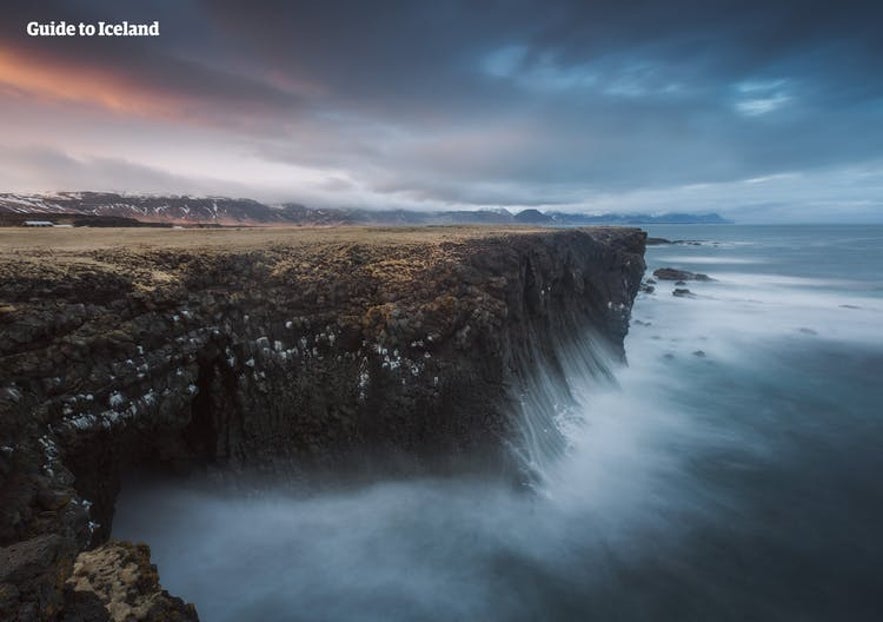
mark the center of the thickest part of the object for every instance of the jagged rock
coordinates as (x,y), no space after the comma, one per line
(124,581)
(673,274)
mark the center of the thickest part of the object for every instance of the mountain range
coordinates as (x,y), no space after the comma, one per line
(116,209)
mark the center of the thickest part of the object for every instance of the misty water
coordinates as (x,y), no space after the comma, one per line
(732,471)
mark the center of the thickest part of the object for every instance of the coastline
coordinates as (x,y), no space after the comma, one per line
(240,349)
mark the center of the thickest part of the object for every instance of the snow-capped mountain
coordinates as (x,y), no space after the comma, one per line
(110,209)
(152,208)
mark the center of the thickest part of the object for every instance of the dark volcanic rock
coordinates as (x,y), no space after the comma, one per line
(682,293)
(262,350)
(32,575)
(672,274)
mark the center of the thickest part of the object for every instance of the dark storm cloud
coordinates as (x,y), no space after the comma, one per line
(811,79)
(409,49)
(509,102)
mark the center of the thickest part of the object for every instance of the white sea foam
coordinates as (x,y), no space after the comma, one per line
(446,549)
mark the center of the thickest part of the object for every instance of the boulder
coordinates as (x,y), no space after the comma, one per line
(673,274)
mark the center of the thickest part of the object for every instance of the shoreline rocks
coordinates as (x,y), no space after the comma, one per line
(673,274)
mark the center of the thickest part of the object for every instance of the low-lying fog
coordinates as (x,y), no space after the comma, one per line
(731,472)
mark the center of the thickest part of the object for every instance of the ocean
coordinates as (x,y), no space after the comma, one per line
(733,470)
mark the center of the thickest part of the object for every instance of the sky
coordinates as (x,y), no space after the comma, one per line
(761,111)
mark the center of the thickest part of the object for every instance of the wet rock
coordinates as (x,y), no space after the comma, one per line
(683,293)
(673,274)
(657,241)
(699,353)
(807,331)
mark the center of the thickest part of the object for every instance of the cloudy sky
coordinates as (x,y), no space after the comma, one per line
(762,111)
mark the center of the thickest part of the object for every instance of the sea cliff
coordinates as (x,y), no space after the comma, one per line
(261,349)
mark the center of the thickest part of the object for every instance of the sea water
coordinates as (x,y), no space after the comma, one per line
(732,471)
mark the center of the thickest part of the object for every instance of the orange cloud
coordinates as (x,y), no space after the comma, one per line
(29,76)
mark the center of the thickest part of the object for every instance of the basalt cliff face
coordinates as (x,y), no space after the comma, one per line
(263,350)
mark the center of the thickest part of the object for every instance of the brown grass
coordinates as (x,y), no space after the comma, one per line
(66,241)
(153,259)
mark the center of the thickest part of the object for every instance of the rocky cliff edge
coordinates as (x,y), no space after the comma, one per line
(183,349)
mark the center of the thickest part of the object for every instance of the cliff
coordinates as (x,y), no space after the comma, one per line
(255,349)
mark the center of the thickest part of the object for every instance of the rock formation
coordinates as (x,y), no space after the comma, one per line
(257,349)
(673,274)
